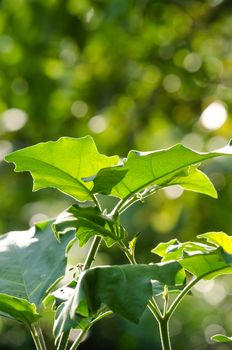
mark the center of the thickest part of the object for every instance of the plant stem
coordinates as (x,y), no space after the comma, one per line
(92,252)
(87,264)
(185,291)
(36,335)
(153,307)
(181,296)
(133,198)
(164,334)
(126,251)
(63,341)
(107,313)
(41,338)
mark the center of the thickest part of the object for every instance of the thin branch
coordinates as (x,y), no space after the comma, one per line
(36,335)
(186,290)
(63,341)
(153,307)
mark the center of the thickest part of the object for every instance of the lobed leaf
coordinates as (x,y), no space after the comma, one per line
(125,289)
(141,170)
(31,262)
(201,260)
(174,250)
(88,222)
(62,164)
(220,239)
(195,181)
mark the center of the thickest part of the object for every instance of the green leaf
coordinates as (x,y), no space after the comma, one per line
(220,239)
(132,283)
(18,309)
(220,338)
(64,322)
(175,250)
(125,289)
(62,164)
(142,170)
(195,181)
(206,266)
(201,260)
(89,221)
(31,262)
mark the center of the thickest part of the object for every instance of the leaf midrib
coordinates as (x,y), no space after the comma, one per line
(75,180)
(15,248)
(169,173)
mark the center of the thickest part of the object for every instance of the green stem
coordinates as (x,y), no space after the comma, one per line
(96,202)
(94,247)
(63,341)
(185,291)
(180,296)
(107,313)
(164,334)
(36,335)
(153,307)
(87,264)
(135,197)
(92,252)
(41,338)
(126,251)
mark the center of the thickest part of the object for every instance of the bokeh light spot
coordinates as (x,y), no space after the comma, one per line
(79,109)
(171,83)
(193,140)
(19,86)
(14,119)
(214,116)
(211,330)
(6,43)
(97,124)
(5,148)
(38,218)
(173,192)
(192,62)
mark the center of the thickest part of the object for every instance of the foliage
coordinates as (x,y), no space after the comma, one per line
(135,75)
(36,259)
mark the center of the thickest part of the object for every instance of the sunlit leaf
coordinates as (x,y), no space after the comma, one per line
(174,250)
(62,164)
(219,239)
(220,338)
(201,260)
(31,262)
(160,168)
(195,181)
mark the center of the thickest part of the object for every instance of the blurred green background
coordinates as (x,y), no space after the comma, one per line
(134,74)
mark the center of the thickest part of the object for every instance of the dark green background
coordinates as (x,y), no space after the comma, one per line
(134,75)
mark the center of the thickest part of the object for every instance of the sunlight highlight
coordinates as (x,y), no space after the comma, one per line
(173,192)
(214,116)
(14,119)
